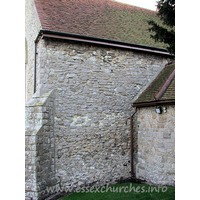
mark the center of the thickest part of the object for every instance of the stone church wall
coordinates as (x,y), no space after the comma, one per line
(94,91)
(156,146)
(77,123)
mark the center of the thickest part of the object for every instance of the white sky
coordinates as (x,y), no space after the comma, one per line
(148,4)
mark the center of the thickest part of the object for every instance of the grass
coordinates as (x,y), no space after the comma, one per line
(125,191)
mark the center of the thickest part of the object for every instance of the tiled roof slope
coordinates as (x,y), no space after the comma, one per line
(170,92)
(153,89)
(105,19)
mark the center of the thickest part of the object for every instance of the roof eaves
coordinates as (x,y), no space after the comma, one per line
(68,36)
(154,103)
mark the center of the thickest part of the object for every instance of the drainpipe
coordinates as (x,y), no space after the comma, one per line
(34,72)
(131,134)
(35,61)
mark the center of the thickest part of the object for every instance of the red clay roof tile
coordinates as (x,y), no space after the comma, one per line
(98,18)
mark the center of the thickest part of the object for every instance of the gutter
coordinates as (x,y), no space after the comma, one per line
(106,42)
(154,103)
(45,34)
(35,61)
(131,135)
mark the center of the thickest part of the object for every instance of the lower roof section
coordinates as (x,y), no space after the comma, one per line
(162,88)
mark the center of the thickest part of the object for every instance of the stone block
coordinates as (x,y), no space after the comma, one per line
(167,135)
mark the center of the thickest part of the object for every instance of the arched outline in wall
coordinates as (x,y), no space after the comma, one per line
(26,62)
(26,52)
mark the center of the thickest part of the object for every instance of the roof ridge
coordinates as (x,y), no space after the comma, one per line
(137,7)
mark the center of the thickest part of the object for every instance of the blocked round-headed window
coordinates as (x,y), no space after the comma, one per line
(26,61)
(26,52)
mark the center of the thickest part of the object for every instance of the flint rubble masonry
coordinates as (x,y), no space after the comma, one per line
(94,90)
